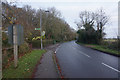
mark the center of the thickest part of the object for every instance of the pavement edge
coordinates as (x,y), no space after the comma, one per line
(58,66)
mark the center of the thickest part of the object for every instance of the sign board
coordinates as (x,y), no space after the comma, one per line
(20,34)
(43,33)
(10,34)
(37,28)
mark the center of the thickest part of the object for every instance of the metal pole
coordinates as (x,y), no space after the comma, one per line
(118,35)
(15,45)
(0,39)
(41,28)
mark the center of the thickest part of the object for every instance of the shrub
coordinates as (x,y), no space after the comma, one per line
(7,55)
(111,45)
(119,44)
(37,43)
(24,48)
(89,37)
(5,41)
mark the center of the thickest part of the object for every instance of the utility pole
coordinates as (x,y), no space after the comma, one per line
(15,45)
(41,27)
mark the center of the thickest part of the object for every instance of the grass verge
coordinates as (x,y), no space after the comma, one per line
(101,48)
(26,65)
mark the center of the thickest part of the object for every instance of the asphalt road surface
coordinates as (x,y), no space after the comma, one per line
(80,62)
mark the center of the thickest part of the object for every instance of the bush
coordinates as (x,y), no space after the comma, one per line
(88,37)
(37,43)
(5,43)
(7,55)
(111,45)
(24,48)
(119,44)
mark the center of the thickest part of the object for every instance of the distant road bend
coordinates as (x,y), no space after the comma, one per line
(80,62)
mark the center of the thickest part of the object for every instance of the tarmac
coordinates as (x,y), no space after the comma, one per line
(47,67)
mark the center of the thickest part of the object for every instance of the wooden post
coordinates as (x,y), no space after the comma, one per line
(15,45)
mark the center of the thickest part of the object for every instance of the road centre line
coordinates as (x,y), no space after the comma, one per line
(73,47)
(110,67)
(82,52)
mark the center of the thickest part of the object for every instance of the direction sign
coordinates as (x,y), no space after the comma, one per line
(37,28)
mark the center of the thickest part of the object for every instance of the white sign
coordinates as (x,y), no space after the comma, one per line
(43,33)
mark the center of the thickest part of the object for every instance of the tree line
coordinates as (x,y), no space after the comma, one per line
(53,24)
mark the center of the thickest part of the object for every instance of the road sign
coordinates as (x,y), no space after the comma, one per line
(10,34)
(20,34)
(43,33)
(37,28)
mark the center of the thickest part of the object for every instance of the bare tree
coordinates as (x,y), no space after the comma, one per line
(101,20)
(86,17)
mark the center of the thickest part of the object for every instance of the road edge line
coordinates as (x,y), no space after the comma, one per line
(111,67)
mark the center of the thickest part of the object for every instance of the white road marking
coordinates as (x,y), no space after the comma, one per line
(74,42)
(58,46)
(82,53)
(110,67)
(73,48)
(57,49)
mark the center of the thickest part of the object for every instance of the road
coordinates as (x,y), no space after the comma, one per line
(80,62)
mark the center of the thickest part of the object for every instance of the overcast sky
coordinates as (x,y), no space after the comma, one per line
(70,10)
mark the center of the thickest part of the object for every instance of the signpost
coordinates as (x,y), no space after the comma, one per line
(42,33)
(15,37)
(20,34)
(15,45)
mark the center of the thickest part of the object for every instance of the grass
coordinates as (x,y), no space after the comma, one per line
(101,48)
(111,40)
(26,65)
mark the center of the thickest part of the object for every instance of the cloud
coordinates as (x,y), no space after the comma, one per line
(66,0)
